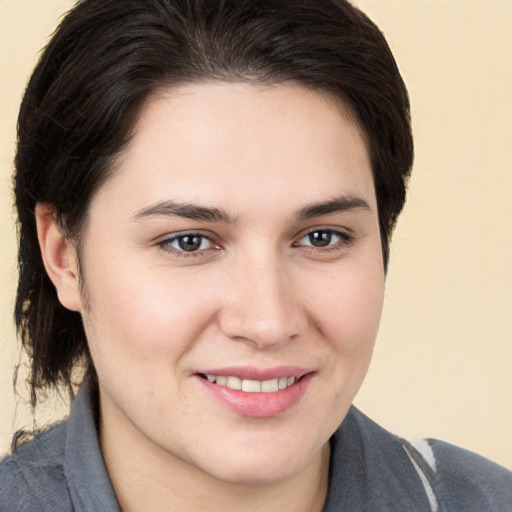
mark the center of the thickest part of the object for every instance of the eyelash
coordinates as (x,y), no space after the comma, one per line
(166,244)
(344,239)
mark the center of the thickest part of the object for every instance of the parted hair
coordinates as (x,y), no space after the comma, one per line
(108,56)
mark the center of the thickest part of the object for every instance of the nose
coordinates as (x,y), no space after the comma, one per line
(262,305)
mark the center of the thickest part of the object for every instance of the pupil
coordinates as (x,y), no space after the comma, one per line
(189,243)
(320,238)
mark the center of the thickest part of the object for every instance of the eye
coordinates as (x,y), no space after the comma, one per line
(188,244)
(324,238)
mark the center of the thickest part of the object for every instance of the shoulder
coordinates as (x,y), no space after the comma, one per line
(470,480)
(451,478)
(32,477)
(370,470)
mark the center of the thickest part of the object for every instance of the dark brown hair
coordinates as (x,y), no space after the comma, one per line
(108,56)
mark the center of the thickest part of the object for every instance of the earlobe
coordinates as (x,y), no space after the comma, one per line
(59,257)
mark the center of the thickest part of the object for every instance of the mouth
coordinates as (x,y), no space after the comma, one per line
(251,385)
(257,393)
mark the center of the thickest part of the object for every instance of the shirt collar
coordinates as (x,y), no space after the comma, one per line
(87,477)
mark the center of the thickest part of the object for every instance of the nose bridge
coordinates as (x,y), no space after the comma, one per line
(262,306)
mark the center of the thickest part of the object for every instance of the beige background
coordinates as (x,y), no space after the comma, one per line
(443,363)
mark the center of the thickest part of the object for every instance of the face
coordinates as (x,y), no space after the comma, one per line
(234,279)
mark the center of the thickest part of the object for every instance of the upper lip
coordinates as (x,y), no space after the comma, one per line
(254,373)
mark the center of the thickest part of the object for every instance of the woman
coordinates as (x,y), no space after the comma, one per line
(206,193)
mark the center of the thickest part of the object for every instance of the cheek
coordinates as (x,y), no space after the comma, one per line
(143,315)
(348,309)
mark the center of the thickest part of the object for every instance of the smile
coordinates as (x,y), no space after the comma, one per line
(251,386)
(257,393)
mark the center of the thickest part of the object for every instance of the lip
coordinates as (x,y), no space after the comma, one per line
(258,405)
(253,373)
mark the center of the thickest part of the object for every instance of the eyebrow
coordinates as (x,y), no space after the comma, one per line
(209,214)
(336,205)
(186,210)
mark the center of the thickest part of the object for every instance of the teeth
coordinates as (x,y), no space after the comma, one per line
(252,386)
(234,383)
(270,386)
(221,381)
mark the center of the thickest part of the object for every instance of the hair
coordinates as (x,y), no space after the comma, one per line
(108,57)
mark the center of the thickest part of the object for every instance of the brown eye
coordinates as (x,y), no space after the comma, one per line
(190,242)
(320,238)
(187,243)
(324,239)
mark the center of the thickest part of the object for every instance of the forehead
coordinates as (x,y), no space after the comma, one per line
(219,142)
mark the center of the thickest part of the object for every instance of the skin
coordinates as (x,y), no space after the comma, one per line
(257,292)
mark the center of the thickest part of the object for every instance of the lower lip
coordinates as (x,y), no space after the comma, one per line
(259,405)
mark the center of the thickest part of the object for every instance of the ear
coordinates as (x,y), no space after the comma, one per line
(59,257)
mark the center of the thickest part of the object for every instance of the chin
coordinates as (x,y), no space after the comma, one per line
(262,466)
(255,474)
